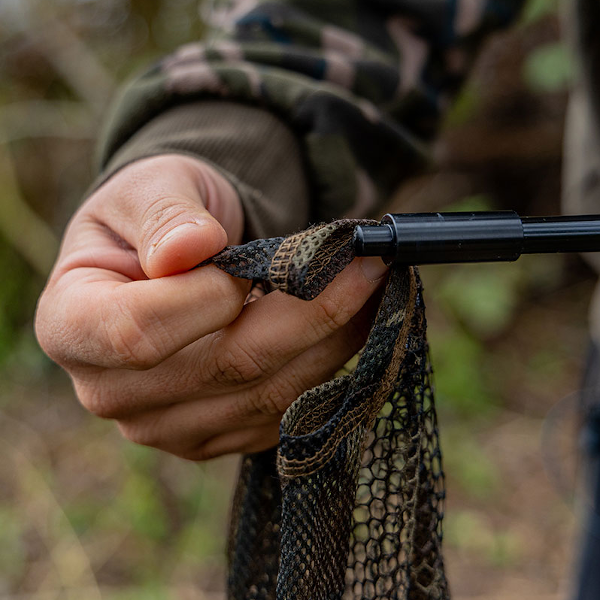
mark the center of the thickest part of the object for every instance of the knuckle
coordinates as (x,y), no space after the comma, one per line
(232,293)
(274,398)
(237,365)
(331,315)
(130,341)
(42,331)
(52,332)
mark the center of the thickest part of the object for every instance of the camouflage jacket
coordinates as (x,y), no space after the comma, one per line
(313,109)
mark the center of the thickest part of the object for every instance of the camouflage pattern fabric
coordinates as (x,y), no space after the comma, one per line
(350,504)
(362,84)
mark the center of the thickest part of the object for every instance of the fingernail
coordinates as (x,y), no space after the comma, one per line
(178,231)
(373,267)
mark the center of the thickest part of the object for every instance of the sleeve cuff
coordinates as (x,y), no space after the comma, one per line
(250,147)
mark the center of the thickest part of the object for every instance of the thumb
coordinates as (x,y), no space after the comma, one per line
(177,212)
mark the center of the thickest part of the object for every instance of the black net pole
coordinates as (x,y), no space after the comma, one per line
(495,236)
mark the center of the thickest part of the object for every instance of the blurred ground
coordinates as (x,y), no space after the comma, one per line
(84,514)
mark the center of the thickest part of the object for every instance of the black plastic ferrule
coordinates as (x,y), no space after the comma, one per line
(458,237)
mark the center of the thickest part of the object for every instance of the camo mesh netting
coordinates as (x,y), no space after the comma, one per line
(350,504)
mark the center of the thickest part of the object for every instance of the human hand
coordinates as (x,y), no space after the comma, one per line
(173,354)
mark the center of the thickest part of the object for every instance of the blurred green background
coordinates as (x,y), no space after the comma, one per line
(84,514)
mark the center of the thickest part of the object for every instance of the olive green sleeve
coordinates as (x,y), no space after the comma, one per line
(252,148)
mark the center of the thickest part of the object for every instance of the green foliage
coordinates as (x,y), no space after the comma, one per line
(473,203)
(474,533)
(148,591)
(200,541)
(482,297)
(139,504)
(538,9)
(474,471)
(459,373)
(549,68)
(18,293)
(464,106)
(13,554)
(82,513)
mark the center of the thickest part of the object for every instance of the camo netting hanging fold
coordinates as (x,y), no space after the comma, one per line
(350,504)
